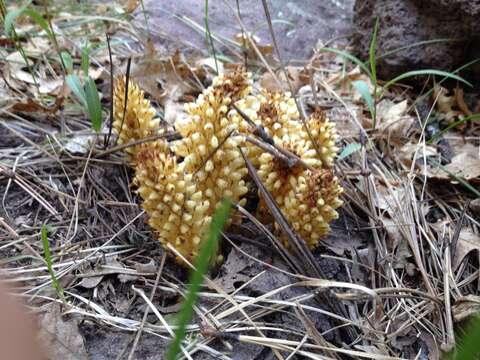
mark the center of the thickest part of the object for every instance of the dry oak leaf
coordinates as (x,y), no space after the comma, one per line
(445,104)
(465,165)
(295,76)
(465,307)
(62,336)
(468,241)
(393,119)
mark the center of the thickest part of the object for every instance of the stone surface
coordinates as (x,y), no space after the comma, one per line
(298,25)
(406,22)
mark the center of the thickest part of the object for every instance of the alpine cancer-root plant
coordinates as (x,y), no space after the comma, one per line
(183,182)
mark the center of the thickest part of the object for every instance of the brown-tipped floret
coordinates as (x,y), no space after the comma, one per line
(292,186)
(308,198)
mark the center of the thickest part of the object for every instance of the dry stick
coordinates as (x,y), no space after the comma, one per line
(77,199)
(21,182)
(134,143)
(145,314)
(226,296)
(110,122)
(290,159)
(8,228)
(313,332)
(127,81)
(456,234)
(298,347)
(259,130)
(297,243)
(77,264)
(161,318)
(287,78)
(252,44)
(24,138)
(272,150)
(450,333)
(244,45)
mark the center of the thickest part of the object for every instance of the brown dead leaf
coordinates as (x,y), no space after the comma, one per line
(61,336)
(91,282)
(150,267)
(465,164)
(458,94)
(165,78)
(130,5)
(101,9)
(243,41)
(210,66)
(50,86)
(231,269)
(465,307)
(295,75)
(32,106)
(15,62)
(343,82)
(445,104)
(468,241)
(41,46)
(4,42)
(406,153)
(394,122)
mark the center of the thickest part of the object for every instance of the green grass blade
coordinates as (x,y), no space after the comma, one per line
(67,61)
(467,347)
(349,150)
(40,20)
(454,125)
(208,36)
(94,106)
(48,260)
(202,261)
(429,92)
(74,84)
(460,179)
(426,72)
(362,87)
(32,13)
(350,57)
(11,17)
(85,60)
(372,53)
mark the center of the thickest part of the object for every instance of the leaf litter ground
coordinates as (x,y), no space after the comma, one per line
(399,269)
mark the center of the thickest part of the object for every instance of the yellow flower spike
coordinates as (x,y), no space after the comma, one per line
(300,192)
(208,142)
(325,135)
(172,205)
(139,120)
(279,115)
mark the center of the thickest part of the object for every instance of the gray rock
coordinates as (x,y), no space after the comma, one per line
(406,22)
(298,25)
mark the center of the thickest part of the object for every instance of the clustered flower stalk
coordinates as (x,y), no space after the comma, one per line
(182,183)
